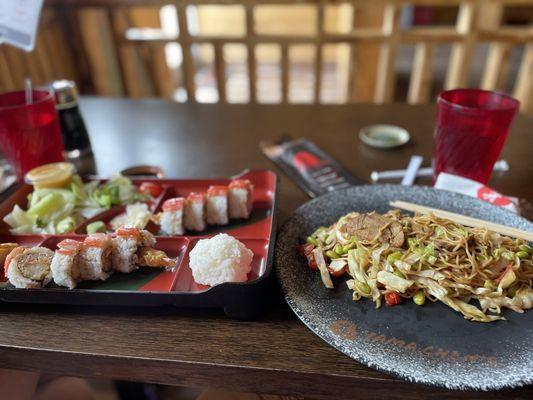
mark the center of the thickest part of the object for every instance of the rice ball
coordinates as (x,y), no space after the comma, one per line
(220,259)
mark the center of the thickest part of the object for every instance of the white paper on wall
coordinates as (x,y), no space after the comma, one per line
(19,20)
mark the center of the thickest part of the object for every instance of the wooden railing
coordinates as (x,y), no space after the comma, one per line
(112,56)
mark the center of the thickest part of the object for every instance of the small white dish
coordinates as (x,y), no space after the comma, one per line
(384,136)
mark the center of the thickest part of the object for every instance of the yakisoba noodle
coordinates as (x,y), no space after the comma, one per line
(397,257)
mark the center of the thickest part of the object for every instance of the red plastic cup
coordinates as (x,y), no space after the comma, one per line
(471,128)
(30,135)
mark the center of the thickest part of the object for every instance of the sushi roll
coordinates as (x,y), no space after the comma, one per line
(95,257)
(126,245)
(150,257)
(195,212)
(240,198)
(171,219)
(65,263)
(217,205)
(29,268)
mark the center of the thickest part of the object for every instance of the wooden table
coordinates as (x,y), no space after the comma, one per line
(276,353)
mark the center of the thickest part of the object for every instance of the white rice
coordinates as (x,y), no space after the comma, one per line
(95,262)
(194,215)
(65,270)
(217,210)
(124,254)
(240,203)
(172,222)
(220,259)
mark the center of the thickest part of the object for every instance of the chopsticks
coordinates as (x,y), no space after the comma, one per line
(463,219)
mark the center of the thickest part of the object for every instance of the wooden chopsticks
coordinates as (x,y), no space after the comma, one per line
(463,219)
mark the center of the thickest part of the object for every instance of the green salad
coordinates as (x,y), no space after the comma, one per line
(60,210)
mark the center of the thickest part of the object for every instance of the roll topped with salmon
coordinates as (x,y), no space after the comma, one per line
(126,244)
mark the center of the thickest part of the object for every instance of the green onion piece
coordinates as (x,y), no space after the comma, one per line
(522,255)
(488,284)
(331,254)
(419,298)
(394,256)
(114,195)
(66,225)
(47,205)
(511,291)
(399,273)
(312,240)
(348,247)
(525,247)
(96,226)
(105,201)
(412,242)
(363,288)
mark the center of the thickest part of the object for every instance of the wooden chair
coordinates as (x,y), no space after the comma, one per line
(115,56)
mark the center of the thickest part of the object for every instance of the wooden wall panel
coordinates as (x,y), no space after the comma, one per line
(86,40)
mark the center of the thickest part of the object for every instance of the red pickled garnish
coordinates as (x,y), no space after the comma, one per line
(151,188)
(306,250)
(392,299)
(311,262)
(337,273)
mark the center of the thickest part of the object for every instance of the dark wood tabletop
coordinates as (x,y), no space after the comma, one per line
(275,353)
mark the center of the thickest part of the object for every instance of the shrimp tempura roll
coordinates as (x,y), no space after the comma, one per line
(126,245)
(95,257)
(65,264)
(240,198)
(217,205)
(195,212)
(29,268)
(150,257)
(171,219)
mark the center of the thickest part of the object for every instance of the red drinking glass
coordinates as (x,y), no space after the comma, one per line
(29,133)
(471,128)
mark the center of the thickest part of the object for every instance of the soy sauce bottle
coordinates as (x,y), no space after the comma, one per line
(77,144)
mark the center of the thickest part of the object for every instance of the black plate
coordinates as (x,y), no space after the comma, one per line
(431,344)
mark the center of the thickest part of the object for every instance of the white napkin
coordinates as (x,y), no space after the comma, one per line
(475,189)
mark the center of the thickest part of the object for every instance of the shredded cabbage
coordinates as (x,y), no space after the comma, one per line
(444,260)
(54,211)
